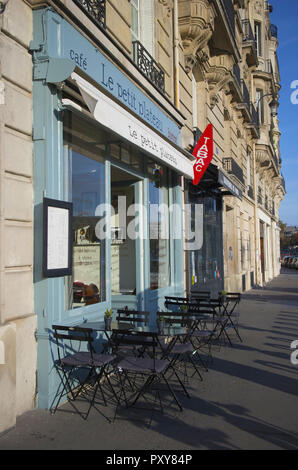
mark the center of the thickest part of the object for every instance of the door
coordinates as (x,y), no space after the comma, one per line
(126,276)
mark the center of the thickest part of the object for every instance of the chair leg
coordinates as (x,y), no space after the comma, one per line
(172,392)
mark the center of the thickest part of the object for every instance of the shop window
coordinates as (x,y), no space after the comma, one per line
(206,263)
(85,185)
(159,229)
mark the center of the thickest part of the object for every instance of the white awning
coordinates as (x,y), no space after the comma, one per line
(115,118)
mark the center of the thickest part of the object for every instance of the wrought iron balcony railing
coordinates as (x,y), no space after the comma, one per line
(274,30)
(237,74)
(248,35)
(246,95)
(231,166)
(228,7)
(254,115)
(148,66)
(95,9)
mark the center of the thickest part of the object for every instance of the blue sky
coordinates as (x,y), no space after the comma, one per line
(285,17)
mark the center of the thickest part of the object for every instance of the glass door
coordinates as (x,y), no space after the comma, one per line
(125,244)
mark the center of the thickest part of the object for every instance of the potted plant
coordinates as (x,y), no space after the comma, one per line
(161,322)
(223,296)
(108,318)
(184,308)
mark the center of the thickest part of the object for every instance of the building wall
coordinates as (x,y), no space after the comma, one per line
(17,319)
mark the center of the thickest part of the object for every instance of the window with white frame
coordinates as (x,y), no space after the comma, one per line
(135,20)
(260,105)
(258,37)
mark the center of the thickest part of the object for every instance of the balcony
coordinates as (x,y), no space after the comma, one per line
(236,87)
(148,66)
(273,31)
(95,9)
(244,106)
(249,43)
(232,167)
(230,14)
(254,121)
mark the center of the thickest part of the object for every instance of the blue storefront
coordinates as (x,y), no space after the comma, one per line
(102,144)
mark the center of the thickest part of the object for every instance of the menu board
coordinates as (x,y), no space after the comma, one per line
(57,255)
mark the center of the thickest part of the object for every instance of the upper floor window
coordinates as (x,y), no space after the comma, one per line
(258,37)
(135,20)
(260,105)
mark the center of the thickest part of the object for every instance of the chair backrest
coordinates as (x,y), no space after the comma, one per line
(132,316)
(173,318)
(72,334)
(201,295)
(175,303)
(147,340)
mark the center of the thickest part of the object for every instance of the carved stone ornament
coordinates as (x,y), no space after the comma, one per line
(219,76)
(196,25)
(168,4)
(259,5)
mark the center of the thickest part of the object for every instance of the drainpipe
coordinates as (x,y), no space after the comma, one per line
(176,55)
(257,254)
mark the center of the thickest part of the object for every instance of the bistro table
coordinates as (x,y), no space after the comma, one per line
(165,338)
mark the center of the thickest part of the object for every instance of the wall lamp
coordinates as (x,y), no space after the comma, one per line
(274,104)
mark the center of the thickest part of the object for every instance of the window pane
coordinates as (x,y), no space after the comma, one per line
(86,182)
(159,227)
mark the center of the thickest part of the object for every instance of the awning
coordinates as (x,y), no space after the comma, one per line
(215,179)
(116,119)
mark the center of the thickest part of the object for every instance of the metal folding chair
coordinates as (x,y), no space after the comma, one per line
(140,375)
(230,305)
(132,316)
(80,372)
(183,351)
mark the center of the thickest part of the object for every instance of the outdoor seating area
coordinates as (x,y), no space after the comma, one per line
(134,362)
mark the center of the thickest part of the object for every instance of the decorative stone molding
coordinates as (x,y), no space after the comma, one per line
(218,76)
(168,5)
(196,25)
(259,6)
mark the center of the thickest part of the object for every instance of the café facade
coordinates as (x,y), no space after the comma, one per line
(104,146)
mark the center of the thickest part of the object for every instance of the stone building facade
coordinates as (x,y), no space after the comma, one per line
(195,62)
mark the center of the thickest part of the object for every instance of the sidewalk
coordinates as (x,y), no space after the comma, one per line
(247,400)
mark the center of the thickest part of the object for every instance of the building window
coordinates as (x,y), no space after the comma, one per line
(159,225)
(248,170)
(258,37)
(260,105)
(85,183)
(135,20)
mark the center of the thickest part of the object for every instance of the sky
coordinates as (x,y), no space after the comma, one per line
(285,17)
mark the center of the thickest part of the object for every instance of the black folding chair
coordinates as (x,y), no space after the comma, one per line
(80,371)
(140,375)
(182,351)
(230,305)
(200,295)
(132,316)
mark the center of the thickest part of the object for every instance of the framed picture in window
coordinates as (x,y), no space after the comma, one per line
(57,238)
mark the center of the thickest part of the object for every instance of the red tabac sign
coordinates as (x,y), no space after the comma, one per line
(203,152)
